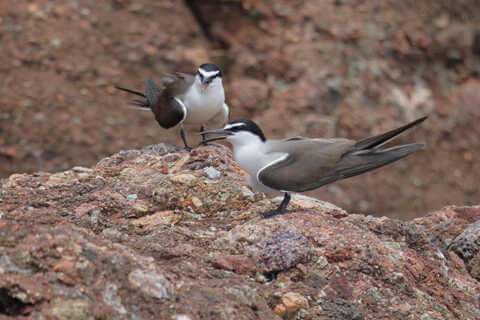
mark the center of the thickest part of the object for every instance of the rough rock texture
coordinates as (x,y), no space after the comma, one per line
(160,233)
(346,68)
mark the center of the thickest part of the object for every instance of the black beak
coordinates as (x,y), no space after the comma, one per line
(206,82)
(225,133)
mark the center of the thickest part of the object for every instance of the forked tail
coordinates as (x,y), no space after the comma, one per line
(356,163)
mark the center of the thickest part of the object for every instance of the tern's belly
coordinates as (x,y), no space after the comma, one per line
(252,160)
(202,107)
(199,114)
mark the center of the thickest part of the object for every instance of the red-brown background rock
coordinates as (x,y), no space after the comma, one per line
(317,68)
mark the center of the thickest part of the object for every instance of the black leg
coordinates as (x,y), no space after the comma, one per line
(282,208)
(182,134)
(203,135)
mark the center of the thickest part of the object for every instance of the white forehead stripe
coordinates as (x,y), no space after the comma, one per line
(208,74)
(233,125)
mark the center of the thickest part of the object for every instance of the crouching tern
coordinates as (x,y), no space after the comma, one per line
(186,99)
(301,164)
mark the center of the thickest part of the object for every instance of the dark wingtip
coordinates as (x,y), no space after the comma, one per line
(130,91)
(379,140)
(152,91)
(419,120)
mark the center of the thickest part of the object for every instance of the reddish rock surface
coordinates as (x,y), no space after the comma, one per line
(314,68)
(160,233)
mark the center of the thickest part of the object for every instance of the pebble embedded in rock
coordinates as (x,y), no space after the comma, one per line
(131,197)
(197,202)
(152,222)
(294,301)
(247,193)
(186,178)
(69,310)
(152,284)
(238,263)
(111,297)
(212,173)
(280,251)
(467,244)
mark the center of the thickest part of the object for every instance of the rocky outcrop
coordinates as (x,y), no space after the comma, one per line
(348,68)
(160,233)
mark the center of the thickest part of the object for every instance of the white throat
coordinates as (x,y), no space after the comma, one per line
(248,148)
(203,104)
(251,154)
(216,86)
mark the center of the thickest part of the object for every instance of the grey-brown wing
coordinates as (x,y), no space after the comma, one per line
(310,163)
(166,106)
(176,84)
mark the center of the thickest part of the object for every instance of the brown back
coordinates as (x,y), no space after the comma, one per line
(311,163)
(168,112)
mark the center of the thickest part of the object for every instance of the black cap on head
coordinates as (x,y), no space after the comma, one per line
(210,67)
(246,125)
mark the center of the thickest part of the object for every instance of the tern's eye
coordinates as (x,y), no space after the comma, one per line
(200,75)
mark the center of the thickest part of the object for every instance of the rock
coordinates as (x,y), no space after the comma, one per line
(238,263)
(212,173)
(111,298)
(151,284)
(310,203)
(196,202)
(164,200)
(131,197)
(280,251)
(317,261)
(70,310)
(247,193)
(152,222)
(83,209)
(186,179)
(291,303)
(81,169)
(467,244)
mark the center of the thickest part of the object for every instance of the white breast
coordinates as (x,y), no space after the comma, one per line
(203,105)
(250,154)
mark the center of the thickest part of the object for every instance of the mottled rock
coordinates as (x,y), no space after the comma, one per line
(151,284)
(280,251)
(467,244)
(226,262)
(69,310)
(237,263)
(111,298)
(340,309)
(186,179)
(152,222)
(212,173)
(291,303)
(196,202)
(247,193)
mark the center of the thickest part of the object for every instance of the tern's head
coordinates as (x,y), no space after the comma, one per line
(239,132)
(208,76)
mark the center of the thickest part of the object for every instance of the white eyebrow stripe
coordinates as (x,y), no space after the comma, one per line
(208,74)
(230,126)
